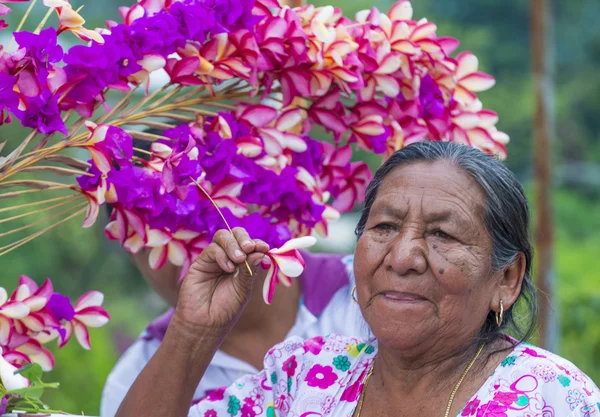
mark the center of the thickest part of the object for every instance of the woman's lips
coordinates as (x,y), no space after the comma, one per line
(402,296)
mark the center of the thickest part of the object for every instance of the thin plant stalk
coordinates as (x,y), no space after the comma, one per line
(35,190)
(143,151)
(190,94)
(117,106)
(37,203)
(150,137)
(43,22)
(220,213)
(54,216)
(145,100)
(220,105)
(166,97)
(22,22)
(198,111)
(31,213)
(59,170)
(9,248)
(152,124)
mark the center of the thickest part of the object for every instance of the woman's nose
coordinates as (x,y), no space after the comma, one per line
(407,254)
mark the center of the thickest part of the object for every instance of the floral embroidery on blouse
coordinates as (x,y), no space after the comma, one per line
(324,376)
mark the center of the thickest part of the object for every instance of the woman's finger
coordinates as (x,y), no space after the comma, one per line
(243,239)
(261,246)
(230,245)
(215,253)
(254,259)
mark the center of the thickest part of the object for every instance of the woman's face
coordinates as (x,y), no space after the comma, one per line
(423,263)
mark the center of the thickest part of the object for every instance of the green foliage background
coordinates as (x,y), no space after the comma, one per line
(498,33)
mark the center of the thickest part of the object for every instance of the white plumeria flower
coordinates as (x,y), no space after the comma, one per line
(286,263)
(10,380)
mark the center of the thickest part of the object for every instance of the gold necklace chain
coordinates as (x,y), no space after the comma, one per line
(452,395)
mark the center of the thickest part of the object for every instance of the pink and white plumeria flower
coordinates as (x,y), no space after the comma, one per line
(9,310)
(35,298)
(88,313)
(285,262)
(36,315)
(9,379)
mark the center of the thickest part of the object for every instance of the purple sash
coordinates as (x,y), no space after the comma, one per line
(323,276)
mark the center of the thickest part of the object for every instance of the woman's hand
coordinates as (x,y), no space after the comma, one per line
(218,284)
(212,296)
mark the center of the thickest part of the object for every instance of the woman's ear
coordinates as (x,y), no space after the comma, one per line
(510,281)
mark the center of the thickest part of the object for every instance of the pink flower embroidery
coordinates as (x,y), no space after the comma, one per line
(506,397)
(257,396)
(321,376)
(289,366)
(210,413)
(216,395)
(492,409)
(532,352)
(471,408)
(352,392)
(546,372)
(282,403)
(337,344)
(327,405)
(248,408)
(314,345)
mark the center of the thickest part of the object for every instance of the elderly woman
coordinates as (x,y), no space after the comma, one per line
(443,255)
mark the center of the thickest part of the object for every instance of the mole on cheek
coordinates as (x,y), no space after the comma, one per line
(441,271)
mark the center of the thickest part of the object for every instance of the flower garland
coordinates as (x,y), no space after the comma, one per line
(249,81)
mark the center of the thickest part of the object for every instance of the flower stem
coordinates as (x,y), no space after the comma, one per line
(36,203)
(57,170)
(143,151)
(220,213)
(10,247)
(31,213)
(14,155)
(43,22)
(35,190)
(117,106)
(22,22)
(197,111)
(149,137)
(174,116)
(30,225)
(145,100)
(166,97)
(152,125)
(221,105)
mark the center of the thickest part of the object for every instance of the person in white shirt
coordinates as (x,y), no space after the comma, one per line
(318,303)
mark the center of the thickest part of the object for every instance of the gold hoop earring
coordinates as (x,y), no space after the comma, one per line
(354,294)
(499,315)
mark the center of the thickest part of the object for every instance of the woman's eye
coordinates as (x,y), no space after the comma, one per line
(442,235)
(385,227)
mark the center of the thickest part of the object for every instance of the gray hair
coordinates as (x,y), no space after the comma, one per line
(506,219)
